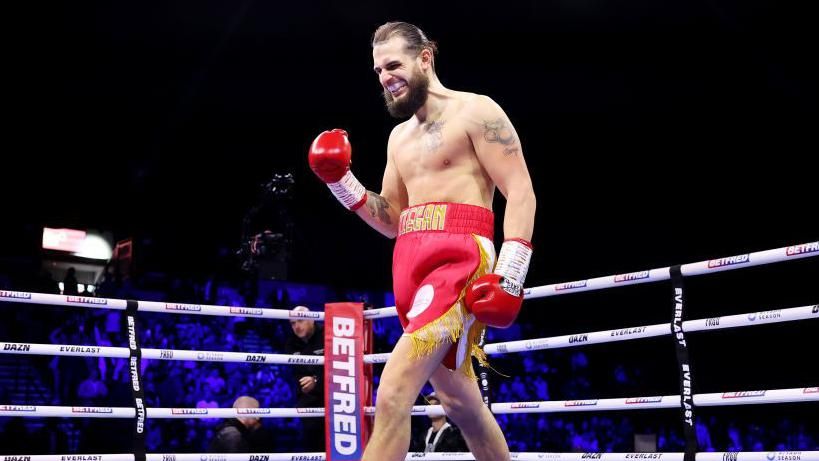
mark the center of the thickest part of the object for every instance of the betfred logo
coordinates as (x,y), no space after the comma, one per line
(802,249)
(570,285)
(639,400)
(182,307)
(730,261)
(246,311)
(189,411)
(525,405)
(580,403)
(86,300)
(630,276)
(310,411)
(100,410)
(344,378)
(253,411)
(14,294)
(17,408)
(304,315)
(742,395)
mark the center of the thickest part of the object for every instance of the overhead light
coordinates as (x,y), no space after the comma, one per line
(95,247)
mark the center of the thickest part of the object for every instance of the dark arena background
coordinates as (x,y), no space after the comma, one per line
(656,133)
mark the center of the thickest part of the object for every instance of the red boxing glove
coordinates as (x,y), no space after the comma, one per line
(330,157)
(495,299)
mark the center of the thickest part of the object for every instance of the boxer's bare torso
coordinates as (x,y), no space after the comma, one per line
(435,159)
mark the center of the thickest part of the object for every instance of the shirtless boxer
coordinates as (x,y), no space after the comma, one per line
(443,165)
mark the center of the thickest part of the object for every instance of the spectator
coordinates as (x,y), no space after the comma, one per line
(442,436)
(243,434)
(308,339)
(70,282)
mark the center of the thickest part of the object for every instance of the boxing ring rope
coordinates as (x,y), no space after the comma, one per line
(804,250)
(795,395)
(555,342)
(73,350)
(46,299)
(648,331)
(653,402)
(759,258)
(527,456)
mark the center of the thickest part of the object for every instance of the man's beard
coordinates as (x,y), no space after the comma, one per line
(415,97)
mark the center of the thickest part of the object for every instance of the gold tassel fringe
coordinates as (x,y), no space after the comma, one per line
(449,327)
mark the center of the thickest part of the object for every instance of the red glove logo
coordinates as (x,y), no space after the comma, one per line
(494,300)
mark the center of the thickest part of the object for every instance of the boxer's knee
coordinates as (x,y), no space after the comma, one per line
(458,410)
(394,401)
(463,409)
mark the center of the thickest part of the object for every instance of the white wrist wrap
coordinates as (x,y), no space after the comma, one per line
(348,190)
(513,261)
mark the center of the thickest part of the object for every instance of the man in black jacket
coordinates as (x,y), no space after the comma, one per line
(242,435)
(308,339)
(441,436)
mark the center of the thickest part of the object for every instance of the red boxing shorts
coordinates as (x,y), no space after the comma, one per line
(441,248)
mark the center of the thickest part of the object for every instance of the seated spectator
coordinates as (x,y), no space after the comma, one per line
(242,435)
(442,436)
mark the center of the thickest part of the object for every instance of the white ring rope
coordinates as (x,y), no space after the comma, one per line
(157,413)
(804,250)
(522,456)
(795,395)
(172,354)
(714,399)
(661,329)
(177,308)
(580,339)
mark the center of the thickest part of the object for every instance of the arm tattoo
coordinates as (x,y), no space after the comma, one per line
(500,131)
(377,205)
